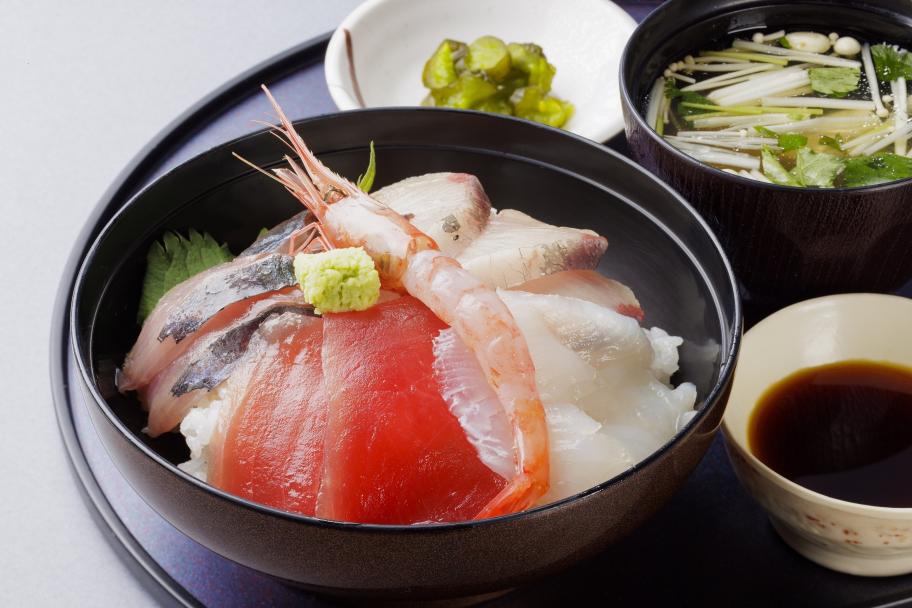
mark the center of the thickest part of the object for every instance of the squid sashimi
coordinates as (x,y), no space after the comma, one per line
(210,360)
(205,302)
(605,383)
(394,453)
(271,448)
(587,285)
(515,248)
(451,208)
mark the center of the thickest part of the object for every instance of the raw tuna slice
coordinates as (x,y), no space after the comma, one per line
(272,443)
(516,248)
(587,285)
(451,208)
(394,453)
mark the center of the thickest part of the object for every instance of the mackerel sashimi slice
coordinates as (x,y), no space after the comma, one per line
(394,453)
(271,448)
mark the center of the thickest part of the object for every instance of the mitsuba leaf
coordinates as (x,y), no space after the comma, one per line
(673,92)
(174,260)
(786,141)
(834,81)
(816,169)
(792,141)
(774,170)
(877,169)
(891,62)
(831,142)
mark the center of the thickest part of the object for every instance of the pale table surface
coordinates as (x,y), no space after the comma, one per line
(84,86)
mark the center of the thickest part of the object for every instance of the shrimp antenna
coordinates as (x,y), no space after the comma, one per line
(321,176)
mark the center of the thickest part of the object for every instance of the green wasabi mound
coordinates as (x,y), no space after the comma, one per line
(339,280)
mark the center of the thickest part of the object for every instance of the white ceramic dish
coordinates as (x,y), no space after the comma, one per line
(379,61)
(848,537)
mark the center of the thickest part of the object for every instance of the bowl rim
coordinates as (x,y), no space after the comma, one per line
(339,59)
(728,352)
(773,476)
(634,113)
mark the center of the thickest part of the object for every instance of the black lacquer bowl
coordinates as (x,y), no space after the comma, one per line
(658,245)
(786,244)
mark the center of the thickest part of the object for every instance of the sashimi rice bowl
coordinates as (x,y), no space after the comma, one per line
(475,354)
(403,355)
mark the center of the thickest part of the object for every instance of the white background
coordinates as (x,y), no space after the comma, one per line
(83,86)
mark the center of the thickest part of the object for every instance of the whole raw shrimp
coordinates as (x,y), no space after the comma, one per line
(409,260)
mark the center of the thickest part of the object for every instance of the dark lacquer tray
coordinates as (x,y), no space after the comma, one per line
(711,545)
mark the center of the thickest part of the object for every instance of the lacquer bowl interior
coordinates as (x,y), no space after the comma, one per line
(658,245)
(786,244)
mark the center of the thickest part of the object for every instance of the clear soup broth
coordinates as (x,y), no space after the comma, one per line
(811,109)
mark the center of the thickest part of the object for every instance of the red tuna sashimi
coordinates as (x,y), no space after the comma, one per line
(271,448)
(394,453)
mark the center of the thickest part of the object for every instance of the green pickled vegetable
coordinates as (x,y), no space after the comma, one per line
(489,55)
(530,59)
(532,103)
(490,76)
(440,69)
(470,89)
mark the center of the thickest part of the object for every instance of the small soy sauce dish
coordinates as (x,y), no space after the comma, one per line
(786,244)
(819,429)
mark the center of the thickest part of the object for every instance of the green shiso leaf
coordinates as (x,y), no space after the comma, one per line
(891,62)
(834,81)
(816,169)
(774,170)
(877,169)
(366,181)
(174,260)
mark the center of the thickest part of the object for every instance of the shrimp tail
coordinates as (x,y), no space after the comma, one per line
(518,495)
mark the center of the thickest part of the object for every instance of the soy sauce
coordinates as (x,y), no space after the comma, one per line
(844,430)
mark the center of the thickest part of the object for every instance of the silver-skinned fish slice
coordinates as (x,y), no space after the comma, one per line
(204,302)
(210,361)
(451,208)
(515,248)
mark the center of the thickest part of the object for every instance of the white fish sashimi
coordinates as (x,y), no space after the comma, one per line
(515,248)
(613,372)
(560,374)
(451,208)
(473,402)
(589,285)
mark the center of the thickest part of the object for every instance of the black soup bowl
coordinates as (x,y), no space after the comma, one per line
(786,244)
(658,245)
